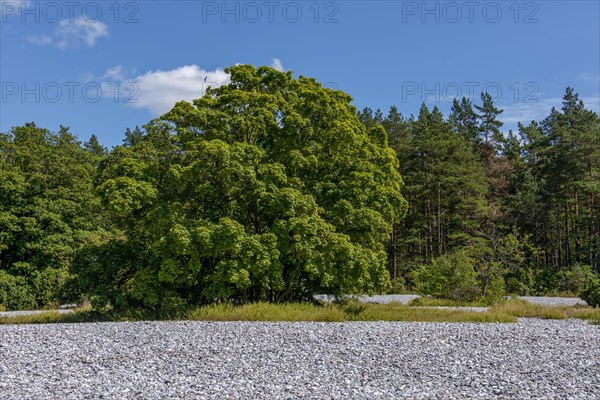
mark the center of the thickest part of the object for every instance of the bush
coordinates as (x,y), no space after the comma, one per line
(591,292)
(546,281)
(514,286)
(495,290)
(576,279)
(450,276)
(46,284)
(15,293)
(398,286)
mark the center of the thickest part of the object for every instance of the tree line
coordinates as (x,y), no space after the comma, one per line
(522,206)
(274,188)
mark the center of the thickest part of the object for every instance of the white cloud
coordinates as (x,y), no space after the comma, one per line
(115,73)
(70,33)
(158,91)
(527,112)
(277,65)
(590,78)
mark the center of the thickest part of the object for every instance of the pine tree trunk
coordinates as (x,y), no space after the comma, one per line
(567,236)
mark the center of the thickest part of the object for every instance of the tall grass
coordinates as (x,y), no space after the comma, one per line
(268,312)
(434,302)
(348,312)
(507,311)
(401,312)
(523,309)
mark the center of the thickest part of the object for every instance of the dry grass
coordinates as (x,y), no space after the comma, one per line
(350,312)
(523,309)
(268,312)
(507,311)
(401,312)
(432,302)
(49,317)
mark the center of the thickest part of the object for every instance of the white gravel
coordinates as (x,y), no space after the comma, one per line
(243,360)
(554,301)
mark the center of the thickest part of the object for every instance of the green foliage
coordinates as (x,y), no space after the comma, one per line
(268,188)
(398,286)
(274,188)
(591,292)
(47,207)
(450,276)
(15,293)
(576,279)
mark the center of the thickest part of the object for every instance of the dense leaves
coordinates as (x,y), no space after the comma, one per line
(268,188)
(524,207)
(47,208)
(275,188)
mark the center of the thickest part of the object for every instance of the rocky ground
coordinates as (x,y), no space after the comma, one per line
(244,360)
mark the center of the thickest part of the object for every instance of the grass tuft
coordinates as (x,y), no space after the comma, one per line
(523,309)
(433,302)
(507,311)
(401,312)
(351,311)
(268,312)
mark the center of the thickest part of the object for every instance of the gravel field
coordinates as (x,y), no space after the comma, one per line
(243,360)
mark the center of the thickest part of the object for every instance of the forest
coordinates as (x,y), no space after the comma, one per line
(275,188)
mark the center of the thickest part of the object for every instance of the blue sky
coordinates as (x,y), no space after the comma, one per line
(100,67)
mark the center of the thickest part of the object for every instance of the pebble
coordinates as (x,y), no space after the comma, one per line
(532,359)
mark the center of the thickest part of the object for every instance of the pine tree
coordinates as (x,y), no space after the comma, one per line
(489,126)
(464,120)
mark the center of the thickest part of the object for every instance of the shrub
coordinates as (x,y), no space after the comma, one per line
(514,286)
(15,293)
(450,276)
(546,281)
(398,286)
(591,292)
(576,279)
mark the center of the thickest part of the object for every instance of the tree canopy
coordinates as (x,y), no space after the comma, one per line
(268,188)
(275,188)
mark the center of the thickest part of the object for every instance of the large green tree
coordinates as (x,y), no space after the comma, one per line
(47,209)
(268,188)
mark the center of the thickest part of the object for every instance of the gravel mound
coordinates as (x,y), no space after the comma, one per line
(239,360)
